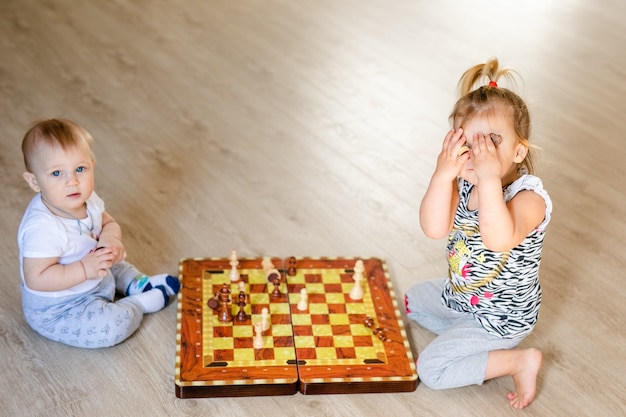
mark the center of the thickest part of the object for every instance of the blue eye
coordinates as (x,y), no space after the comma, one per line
(80,169)
(56,173)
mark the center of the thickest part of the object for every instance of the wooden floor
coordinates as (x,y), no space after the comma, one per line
(311,128)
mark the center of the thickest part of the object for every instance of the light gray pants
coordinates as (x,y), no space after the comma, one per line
(457,357)
(89,320)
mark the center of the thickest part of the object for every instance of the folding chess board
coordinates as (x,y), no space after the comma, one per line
(336,345)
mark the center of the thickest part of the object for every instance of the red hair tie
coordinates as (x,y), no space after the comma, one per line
(493,84)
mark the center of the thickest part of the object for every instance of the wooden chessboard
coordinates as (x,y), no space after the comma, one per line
(327,348)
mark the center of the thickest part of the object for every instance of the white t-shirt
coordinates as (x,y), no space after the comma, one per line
(43,234)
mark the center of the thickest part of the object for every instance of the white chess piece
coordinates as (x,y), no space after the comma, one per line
(359,268)
(357,290)
(267,265)
(257,343)
(303,304)
(234,273)
(265,322)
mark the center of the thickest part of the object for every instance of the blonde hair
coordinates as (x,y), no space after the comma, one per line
(490,98)
(51,132)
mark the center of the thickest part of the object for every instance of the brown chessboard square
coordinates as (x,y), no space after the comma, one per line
(222,331)
(346,353)
(223,355)
(242,342)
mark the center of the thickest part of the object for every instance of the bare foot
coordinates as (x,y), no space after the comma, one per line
(526,379)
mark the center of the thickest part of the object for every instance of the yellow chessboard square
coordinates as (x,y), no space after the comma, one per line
(356,308)
(301,320)
(315,288)
(315,308)
(343,341)
(243,354)
(367,352)
(360,330)
(335,298)
(339,319)
(282,308)
(322,330)
(284,354)
(328,353)
(242,331)
(332,276)
(223,343)
(259,298)
(304,341)
(282,330)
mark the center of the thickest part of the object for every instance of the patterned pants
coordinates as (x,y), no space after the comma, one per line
(457,357)
(89,320)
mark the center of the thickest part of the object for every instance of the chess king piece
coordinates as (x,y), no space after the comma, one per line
(224,314)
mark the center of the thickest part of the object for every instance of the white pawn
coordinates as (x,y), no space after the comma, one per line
(265,322)
(234,274)
(357,290)
(257,343)
(303,304)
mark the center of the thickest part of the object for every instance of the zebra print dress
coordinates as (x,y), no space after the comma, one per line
(500,289)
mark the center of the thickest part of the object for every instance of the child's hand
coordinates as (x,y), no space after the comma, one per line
(449,162)
(97,262)
(485,158)
(116,245)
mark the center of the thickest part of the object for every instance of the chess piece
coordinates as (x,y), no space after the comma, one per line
(241,302)
(213,302)
(274,277)
(234,273)
(267,265)
(303,304)
(357,290)
(291,266)
(224,314)
(265,319)
(257,343)
(359,268)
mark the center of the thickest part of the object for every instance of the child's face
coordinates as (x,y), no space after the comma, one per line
(65,178)
(509,151)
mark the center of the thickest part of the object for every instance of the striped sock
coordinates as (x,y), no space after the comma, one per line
(143,283)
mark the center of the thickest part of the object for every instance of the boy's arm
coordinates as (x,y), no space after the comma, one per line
(47,274)
(111,236)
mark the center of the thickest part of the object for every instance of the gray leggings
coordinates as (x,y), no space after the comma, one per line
(457,357)
(89,320)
